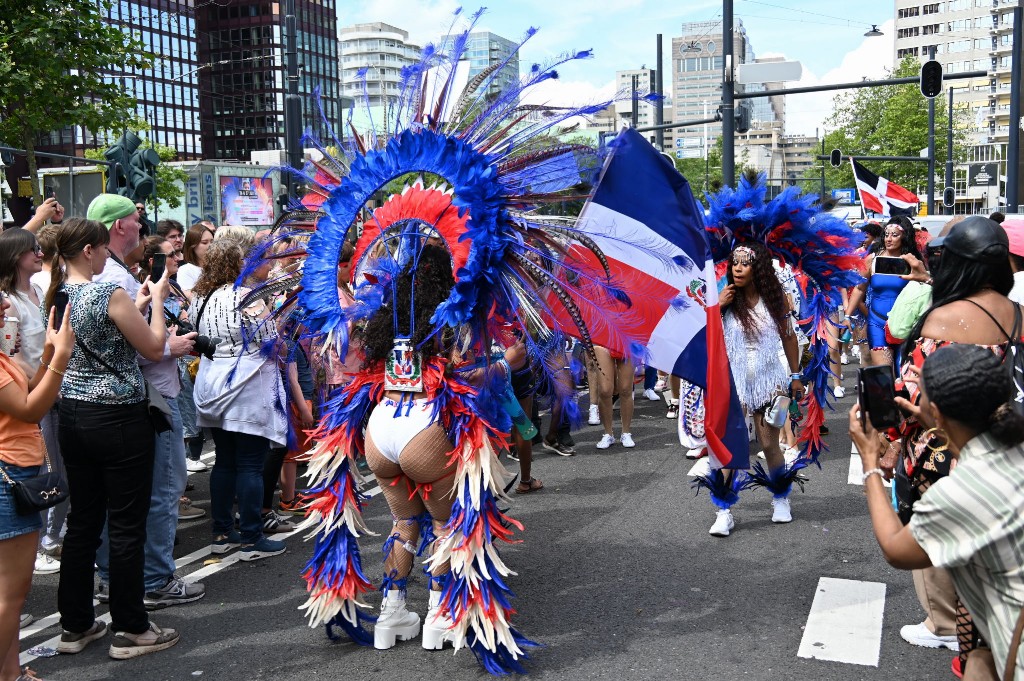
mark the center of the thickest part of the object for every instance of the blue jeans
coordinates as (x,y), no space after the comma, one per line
(12,523)
(650,377)
(53,518)
(186,401)
(238,472)
(169,478)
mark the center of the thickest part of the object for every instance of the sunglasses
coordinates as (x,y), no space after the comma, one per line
(37,249)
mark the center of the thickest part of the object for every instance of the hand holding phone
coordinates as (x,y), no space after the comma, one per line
(876,396)
(60,303)
(159,263)
(888,265)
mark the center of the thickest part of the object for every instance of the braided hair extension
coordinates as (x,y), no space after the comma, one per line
(768,287)
(970,384)
(434,281)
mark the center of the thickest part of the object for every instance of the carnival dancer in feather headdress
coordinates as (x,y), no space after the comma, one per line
(749,233)
(440,274)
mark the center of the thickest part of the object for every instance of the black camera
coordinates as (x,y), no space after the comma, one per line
(204,345)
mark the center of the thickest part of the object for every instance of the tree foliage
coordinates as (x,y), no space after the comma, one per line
(704,175)
(52,58)
(890,121)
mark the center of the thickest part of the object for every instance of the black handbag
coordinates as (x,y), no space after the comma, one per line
(39,492)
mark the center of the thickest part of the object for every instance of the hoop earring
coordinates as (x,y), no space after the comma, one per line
(936,451)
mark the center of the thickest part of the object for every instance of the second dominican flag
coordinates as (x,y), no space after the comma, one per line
(651,229)
(881,196)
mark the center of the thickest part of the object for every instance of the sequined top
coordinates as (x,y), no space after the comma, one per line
(86,378)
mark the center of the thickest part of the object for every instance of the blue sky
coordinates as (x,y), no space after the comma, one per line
(828,39)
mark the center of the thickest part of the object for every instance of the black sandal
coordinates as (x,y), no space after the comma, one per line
(531,485)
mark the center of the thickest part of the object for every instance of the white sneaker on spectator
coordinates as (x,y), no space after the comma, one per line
(627,440)
(652,395)
(606,441)
(919,635)
(195,466)
(781,512)
(839,392)
(26,619)
(46,565)
(595,417)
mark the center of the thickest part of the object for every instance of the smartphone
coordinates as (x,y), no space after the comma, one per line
(159,263)
(49,192)
(876,396)
(885,264)
(60,303)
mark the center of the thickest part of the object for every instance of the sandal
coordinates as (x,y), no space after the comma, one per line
(531,485)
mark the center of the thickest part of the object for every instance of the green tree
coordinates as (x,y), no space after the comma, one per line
(890,121)
(704,175)
(52,58)
(170,180)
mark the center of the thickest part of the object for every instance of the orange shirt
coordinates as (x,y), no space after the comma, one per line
(21,444)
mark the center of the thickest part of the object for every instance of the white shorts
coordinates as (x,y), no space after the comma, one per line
(392,431)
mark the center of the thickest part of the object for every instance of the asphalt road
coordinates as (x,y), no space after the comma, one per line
(617,578)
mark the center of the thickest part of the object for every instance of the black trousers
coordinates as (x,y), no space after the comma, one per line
(108,455)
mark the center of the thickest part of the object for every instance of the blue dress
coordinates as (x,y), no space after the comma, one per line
(883,289)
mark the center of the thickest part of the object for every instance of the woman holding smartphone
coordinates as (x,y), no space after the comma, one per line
(881,288)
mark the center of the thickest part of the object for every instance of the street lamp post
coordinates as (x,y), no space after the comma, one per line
(728,103)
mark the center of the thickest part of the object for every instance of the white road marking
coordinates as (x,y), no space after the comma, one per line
(845,622)
(857,470)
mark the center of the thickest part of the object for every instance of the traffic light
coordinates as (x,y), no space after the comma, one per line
(742,118)
(835,158)
(931,79)
(142,173)
(948,197)
(119,154)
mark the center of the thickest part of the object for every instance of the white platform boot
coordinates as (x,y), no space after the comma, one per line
(435,627)
(395,622)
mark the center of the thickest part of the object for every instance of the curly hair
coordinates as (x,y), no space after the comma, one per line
(767,284)
(908,244)
(433,281)
(222,265)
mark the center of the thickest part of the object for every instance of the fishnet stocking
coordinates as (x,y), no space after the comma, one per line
(394,486)
(966,634)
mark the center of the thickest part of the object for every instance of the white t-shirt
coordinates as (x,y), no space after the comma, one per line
(188,275)
(31,328)
(41,279)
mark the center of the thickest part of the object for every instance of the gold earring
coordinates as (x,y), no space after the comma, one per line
(937,452)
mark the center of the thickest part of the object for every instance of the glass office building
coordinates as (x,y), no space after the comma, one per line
(241,97)
(485,48)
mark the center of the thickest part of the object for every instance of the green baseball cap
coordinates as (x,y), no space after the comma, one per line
(109,208)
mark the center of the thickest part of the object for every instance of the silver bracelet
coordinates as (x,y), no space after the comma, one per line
(879,471)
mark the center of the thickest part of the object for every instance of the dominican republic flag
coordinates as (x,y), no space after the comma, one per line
(651,229)
(881,196)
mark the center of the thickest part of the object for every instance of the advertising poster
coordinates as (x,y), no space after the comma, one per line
(246,201)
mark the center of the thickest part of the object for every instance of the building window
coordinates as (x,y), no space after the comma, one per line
(908,12)
(906,52)
(931,9)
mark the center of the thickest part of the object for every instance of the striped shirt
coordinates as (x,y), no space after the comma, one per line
(971,524)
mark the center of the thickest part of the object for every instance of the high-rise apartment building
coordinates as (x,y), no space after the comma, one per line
(167,94)
(968,35)
(644,83)
(241,96)
(484,48)
(382,50)
(696,67)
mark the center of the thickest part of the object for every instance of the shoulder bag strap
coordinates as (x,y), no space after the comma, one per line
(1011,659)
(199,315)
(97,358)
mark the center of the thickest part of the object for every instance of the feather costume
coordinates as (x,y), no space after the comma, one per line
(496,164)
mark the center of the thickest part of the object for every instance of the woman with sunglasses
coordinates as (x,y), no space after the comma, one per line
(20,258)
(881,290)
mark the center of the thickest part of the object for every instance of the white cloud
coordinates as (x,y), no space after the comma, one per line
(871,59)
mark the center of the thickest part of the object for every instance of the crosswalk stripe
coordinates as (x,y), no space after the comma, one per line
(845,622)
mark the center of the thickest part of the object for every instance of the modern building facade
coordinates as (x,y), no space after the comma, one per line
(381,49)
(968,35)
(484,48)
(167,94)
(242,93)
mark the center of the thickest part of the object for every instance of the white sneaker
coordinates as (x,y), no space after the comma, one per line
(435,628)
(844,358)
(595,417)
(673,409)
(695,453)
(839,392)
(195,466)
(781,512)
(791,454)
(46,565)
(855,353)
(606,441)
(919,635)
(395,623)
(659,386)
(760,455)
(723,524)
(651,395)
(627,441)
